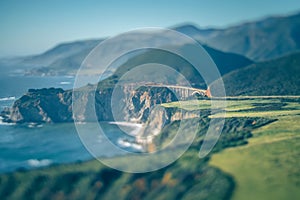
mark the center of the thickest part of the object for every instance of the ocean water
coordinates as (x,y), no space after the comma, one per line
(28,147)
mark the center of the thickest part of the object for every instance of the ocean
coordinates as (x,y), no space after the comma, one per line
(28,147)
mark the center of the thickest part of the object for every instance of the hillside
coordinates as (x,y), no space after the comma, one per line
(225,62)
(67,58)
(60,52)
(276,77)
(258,40)
(61,59)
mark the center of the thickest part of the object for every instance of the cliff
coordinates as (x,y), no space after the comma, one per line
(54,105)
(42,105)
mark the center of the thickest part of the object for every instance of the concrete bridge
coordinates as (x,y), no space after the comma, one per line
(186,92)
(183,92)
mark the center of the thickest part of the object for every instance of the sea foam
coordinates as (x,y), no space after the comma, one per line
(38,163)
(8,98)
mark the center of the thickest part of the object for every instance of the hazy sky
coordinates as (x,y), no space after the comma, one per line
(33,26)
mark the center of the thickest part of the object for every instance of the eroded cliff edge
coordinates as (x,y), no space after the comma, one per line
(54,105)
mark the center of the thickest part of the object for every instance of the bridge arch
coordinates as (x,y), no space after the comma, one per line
(199,93)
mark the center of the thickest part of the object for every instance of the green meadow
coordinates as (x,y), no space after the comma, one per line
(268,166)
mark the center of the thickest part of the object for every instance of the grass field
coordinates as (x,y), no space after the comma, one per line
(268,166)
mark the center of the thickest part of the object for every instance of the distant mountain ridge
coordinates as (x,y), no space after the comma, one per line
(66,59)
(260,40)
(61,51)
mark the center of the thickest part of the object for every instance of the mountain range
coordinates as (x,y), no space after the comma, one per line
(260,40)
(272,44)
(65,59)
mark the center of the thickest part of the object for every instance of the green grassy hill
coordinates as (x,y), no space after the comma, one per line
(275,77)
(268,166)
(226,62)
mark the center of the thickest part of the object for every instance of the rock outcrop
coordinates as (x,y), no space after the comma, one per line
(41,105)
(54,105)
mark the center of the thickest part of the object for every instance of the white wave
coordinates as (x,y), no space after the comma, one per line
(132,129)
(34,125)
(129,124)
(123,142)
(65,83)
(38,163)
(8,98)
(137,146)
(69,76)
(5,123)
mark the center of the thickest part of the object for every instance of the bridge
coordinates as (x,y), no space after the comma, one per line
(186,92)
(183,92)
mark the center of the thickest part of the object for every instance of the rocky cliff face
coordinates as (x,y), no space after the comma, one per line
(159,118)
(54,105)
(139,102)
(43,105)
(140,105)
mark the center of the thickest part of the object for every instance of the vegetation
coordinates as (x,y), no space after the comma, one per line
(225,62)
(254,166)
(256,157)
(275,77)
(268,166)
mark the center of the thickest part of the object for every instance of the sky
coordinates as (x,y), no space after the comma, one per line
(33,26)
